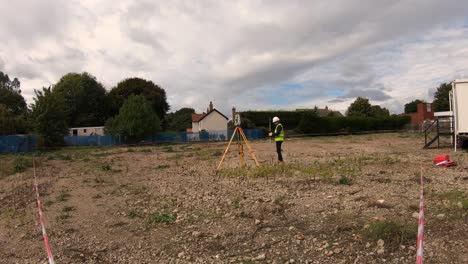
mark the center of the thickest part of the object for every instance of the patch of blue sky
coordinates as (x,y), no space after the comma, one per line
(335,92)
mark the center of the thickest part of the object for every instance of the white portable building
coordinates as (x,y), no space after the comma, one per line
(459,106)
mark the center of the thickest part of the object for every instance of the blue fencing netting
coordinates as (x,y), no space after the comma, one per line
(167,137)
(17,143)
(94,140)
(28,143)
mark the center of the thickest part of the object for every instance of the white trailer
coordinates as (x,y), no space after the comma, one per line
(458,99)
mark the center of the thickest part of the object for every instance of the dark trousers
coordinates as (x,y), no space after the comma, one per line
(278,150)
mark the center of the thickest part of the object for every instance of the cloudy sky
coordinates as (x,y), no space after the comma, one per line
(251,54)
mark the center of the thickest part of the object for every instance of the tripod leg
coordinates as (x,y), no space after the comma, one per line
(248,146)
(226,150)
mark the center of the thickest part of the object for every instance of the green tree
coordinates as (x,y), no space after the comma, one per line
(379,112)
(412,107)
(135,121)
(360,107)
(5,82)
(441,98)
(49,117)
(180,120)
(137,86)
(10,95)
(85,99)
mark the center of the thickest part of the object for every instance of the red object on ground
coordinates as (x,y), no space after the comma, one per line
(441,158)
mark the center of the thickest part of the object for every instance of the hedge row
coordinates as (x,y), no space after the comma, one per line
(313,124)
(289,119)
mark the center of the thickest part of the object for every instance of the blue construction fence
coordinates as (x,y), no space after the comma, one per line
(167,137)
(17,143)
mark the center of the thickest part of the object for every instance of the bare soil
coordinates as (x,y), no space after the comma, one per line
(166,204)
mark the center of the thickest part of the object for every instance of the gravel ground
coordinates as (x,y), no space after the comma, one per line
(166,204)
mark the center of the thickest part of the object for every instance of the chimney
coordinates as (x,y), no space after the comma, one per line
(211,106)
(233,113)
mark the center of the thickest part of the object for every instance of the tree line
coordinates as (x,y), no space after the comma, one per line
(132,109)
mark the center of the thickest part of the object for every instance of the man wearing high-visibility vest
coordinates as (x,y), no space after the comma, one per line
(278,135)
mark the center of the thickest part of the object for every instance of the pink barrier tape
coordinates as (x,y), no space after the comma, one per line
(41,217)
(420,242)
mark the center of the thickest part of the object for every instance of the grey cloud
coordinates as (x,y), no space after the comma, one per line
(372,94)
(27,71)
(336,101)
(25,23)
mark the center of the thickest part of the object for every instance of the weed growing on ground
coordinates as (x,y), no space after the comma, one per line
(146,150)
(456,203)
(68,209)
(279,200)
(132,214)
(63,217)
(63,197)
(20,164)
(162,218)
(168,149)
(236,203)
(344,180)
(392,233)
(161,167)
(106,167)
(130,150)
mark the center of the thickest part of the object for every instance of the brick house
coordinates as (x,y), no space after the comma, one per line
(425,112)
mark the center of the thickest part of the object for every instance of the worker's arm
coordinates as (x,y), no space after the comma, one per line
(277,132)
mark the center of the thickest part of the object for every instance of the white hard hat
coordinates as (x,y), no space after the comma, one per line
(275,119)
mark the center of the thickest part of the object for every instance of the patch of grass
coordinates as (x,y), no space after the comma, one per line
(457,202)
(48,203)
(106,167)
(146,150)
(176,157)
(63,217)
(162,167)
(132,214)
(63,197)
(452,196)
(392,233)
(236,203)
(345,180)
(162,218)
(68,209)
(21,164)
(279,200)
(130,150)
(168,149)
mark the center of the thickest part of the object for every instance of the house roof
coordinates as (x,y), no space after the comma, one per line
(197,117)
(200,117)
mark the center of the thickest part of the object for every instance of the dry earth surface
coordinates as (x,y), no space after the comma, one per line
(347,199)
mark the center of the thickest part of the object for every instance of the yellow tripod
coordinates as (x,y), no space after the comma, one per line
(240,137)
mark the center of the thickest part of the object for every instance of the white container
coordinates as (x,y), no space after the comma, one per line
(459,105)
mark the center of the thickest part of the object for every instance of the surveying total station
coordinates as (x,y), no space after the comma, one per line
(240,138)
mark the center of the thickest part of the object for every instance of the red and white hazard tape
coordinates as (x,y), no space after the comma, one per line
(41,217)
(420,242)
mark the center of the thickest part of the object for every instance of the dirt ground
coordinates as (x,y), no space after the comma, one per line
(347,199)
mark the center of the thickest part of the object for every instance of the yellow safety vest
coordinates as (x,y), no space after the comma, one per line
(279,137)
